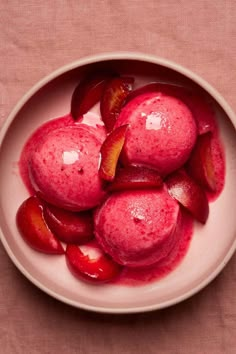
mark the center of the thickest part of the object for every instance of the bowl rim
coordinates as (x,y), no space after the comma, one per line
(109,56)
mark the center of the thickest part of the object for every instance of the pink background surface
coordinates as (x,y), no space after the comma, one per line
(36,39)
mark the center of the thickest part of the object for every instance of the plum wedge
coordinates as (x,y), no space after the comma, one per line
(33,228)
(110,152)
(91,263)
(87,93)
(135,177)
(68,226)
(113,98)
(189,194)
(201,165)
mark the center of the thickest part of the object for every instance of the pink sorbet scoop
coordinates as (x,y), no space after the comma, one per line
(162,132)
(137,228)
(64,168)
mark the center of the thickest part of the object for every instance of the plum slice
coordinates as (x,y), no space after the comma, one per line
(110,152)
(135,177)
(189,194)
(33,228)
(201,164)
(68,226)
(87,93)
(91,263)
(113,98)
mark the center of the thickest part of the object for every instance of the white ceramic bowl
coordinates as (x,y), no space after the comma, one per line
(212,245)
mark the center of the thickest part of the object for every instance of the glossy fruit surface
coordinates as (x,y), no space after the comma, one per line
(33,228)
(86,94)
(91,263)
(201,165)
(189,194)
(69,227)
(113,98)
(135,177)
(110,152)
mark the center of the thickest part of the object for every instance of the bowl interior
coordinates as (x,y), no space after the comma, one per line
(211,246)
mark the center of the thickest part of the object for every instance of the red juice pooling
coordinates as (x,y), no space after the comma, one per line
(152,236)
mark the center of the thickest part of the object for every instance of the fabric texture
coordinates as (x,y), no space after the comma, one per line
(38,37)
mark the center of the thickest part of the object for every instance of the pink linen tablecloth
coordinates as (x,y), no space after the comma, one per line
(37,37)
